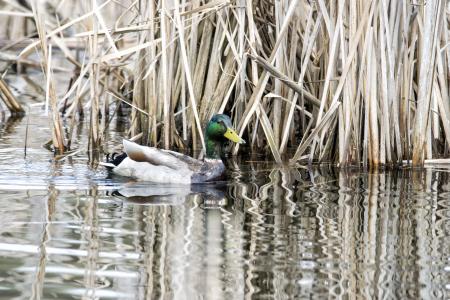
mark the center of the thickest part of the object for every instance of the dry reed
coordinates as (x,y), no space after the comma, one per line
(352,82)
(8,98)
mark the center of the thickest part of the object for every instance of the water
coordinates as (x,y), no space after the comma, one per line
(69,231)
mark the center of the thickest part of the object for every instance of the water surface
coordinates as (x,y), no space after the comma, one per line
(71,231)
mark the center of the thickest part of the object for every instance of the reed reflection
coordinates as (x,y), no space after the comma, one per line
(344,234)
(268,233)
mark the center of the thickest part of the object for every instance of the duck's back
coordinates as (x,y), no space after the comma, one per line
(145,171)
(164,166)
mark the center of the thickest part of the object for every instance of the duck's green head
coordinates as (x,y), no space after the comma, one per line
(218,131)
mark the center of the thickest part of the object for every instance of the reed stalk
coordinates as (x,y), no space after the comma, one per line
(10,101)
(46,52)
(430,18)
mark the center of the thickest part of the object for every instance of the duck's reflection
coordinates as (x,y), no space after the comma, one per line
(212,195)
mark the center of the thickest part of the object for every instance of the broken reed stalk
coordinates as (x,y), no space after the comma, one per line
(351,82)
(10,101)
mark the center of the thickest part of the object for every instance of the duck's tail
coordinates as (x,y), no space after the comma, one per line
(113,160)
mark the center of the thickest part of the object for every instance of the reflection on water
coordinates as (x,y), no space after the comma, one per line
(68,231)
(280,233)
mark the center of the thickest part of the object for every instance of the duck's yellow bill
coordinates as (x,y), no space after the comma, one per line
(233,136)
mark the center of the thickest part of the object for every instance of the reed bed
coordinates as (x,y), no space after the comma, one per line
(357,83)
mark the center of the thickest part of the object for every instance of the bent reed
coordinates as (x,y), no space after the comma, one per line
(356,83)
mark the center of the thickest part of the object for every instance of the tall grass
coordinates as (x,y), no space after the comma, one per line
(351,82)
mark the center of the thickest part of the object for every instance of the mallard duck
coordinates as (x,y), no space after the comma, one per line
(165,166)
